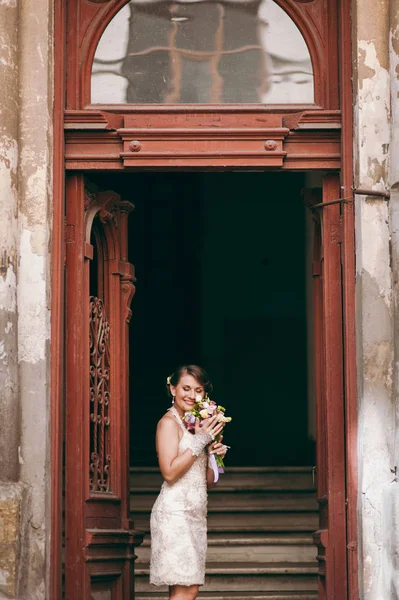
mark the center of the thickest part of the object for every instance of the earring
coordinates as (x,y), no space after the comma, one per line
(173,399)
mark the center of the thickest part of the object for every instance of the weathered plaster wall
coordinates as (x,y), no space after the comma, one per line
(10,493)
(9,411)
(34,277)
(376,256)
(391,508)
(25,180)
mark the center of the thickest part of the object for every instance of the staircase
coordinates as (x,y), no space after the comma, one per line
(260,524)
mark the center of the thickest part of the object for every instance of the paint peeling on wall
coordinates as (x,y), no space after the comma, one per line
(25,181)
(8,282)
(33,323)
(373,117)
(377,256)
(394,71)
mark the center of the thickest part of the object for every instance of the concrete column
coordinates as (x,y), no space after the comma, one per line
(26,99)
(9,403)
(11,492)
(34,284)
(374,292)
(391,506)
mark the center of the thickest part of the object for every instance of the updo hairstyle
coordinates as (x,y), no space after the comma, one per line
(195,371)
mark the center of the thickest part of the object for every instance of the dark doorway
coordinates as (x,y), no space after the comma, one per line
(221,281)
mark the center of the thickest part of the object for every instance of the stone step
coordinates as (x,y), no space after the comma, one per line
(227,501)
(248,577)
(147,479)
(252,548)
(305,595)
(246,522)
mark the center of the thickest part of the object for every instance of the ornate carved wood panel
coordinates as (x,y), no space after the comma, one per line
(100,539)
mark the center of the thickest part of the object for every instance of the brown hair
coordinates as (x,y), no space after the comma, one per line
(195,371)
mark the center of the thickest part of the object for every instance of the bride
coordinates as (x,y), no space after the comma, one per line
(178,518)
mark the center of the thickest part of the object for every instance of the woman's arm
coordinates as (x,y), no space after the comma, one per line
(171,464)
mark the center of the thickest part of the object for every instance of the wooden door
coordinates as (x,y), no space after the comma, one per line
(330,420)
(99,538)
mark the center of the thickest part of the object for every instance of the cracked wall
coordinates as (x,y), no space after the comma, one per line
(391,499)
(26,99)
(376,160)
(9,397)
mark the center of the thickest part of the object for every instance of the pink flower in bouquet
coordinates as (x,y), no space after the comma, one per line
(189,421)
(212,408)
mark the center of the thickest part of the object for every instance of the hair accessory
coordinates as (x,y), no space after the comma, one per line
(168,380)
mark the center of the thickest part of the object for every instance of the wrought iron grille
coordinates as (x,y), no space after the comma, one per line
(100,447)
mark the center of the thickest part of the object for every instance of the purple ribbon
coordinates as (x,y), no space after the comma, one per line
(214,467)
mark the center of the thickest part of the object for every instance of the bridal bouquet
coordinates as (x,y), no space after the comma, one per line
(204,408)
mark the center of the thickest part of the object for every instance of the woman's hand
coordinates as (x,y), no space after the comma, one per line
(210,426)
(218,448)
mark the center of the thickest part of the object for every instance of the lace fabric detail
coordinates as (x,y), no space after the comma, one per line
(199,442)
(178,521)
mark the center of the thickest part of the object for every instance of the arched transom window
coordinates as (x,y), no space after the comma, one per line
(202,51)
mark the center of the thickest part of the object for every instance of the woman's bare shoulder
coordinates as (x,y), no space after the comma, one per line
(168,427)
(168,423)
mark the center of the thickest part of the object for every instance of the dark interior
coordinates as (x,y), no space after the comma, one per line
(220,267)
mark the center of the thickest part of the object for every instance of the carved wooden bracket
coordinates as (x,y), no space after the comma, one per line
(128,290)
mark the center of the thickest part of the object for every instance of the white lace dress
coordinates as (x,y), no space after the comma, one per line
(178,523)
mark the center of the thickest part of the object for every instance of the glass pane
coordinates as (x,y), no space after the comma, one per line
(195,51)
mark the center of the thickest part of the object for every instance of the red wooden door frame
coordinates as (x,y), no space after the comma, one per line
(331,537)
(307,162)
(329,386)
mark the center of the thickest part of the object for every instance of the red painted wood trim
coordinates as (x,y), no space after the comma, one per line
(349,309)
(336,566)
(91,145)
(57,309)
(76,462)
(183,109)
